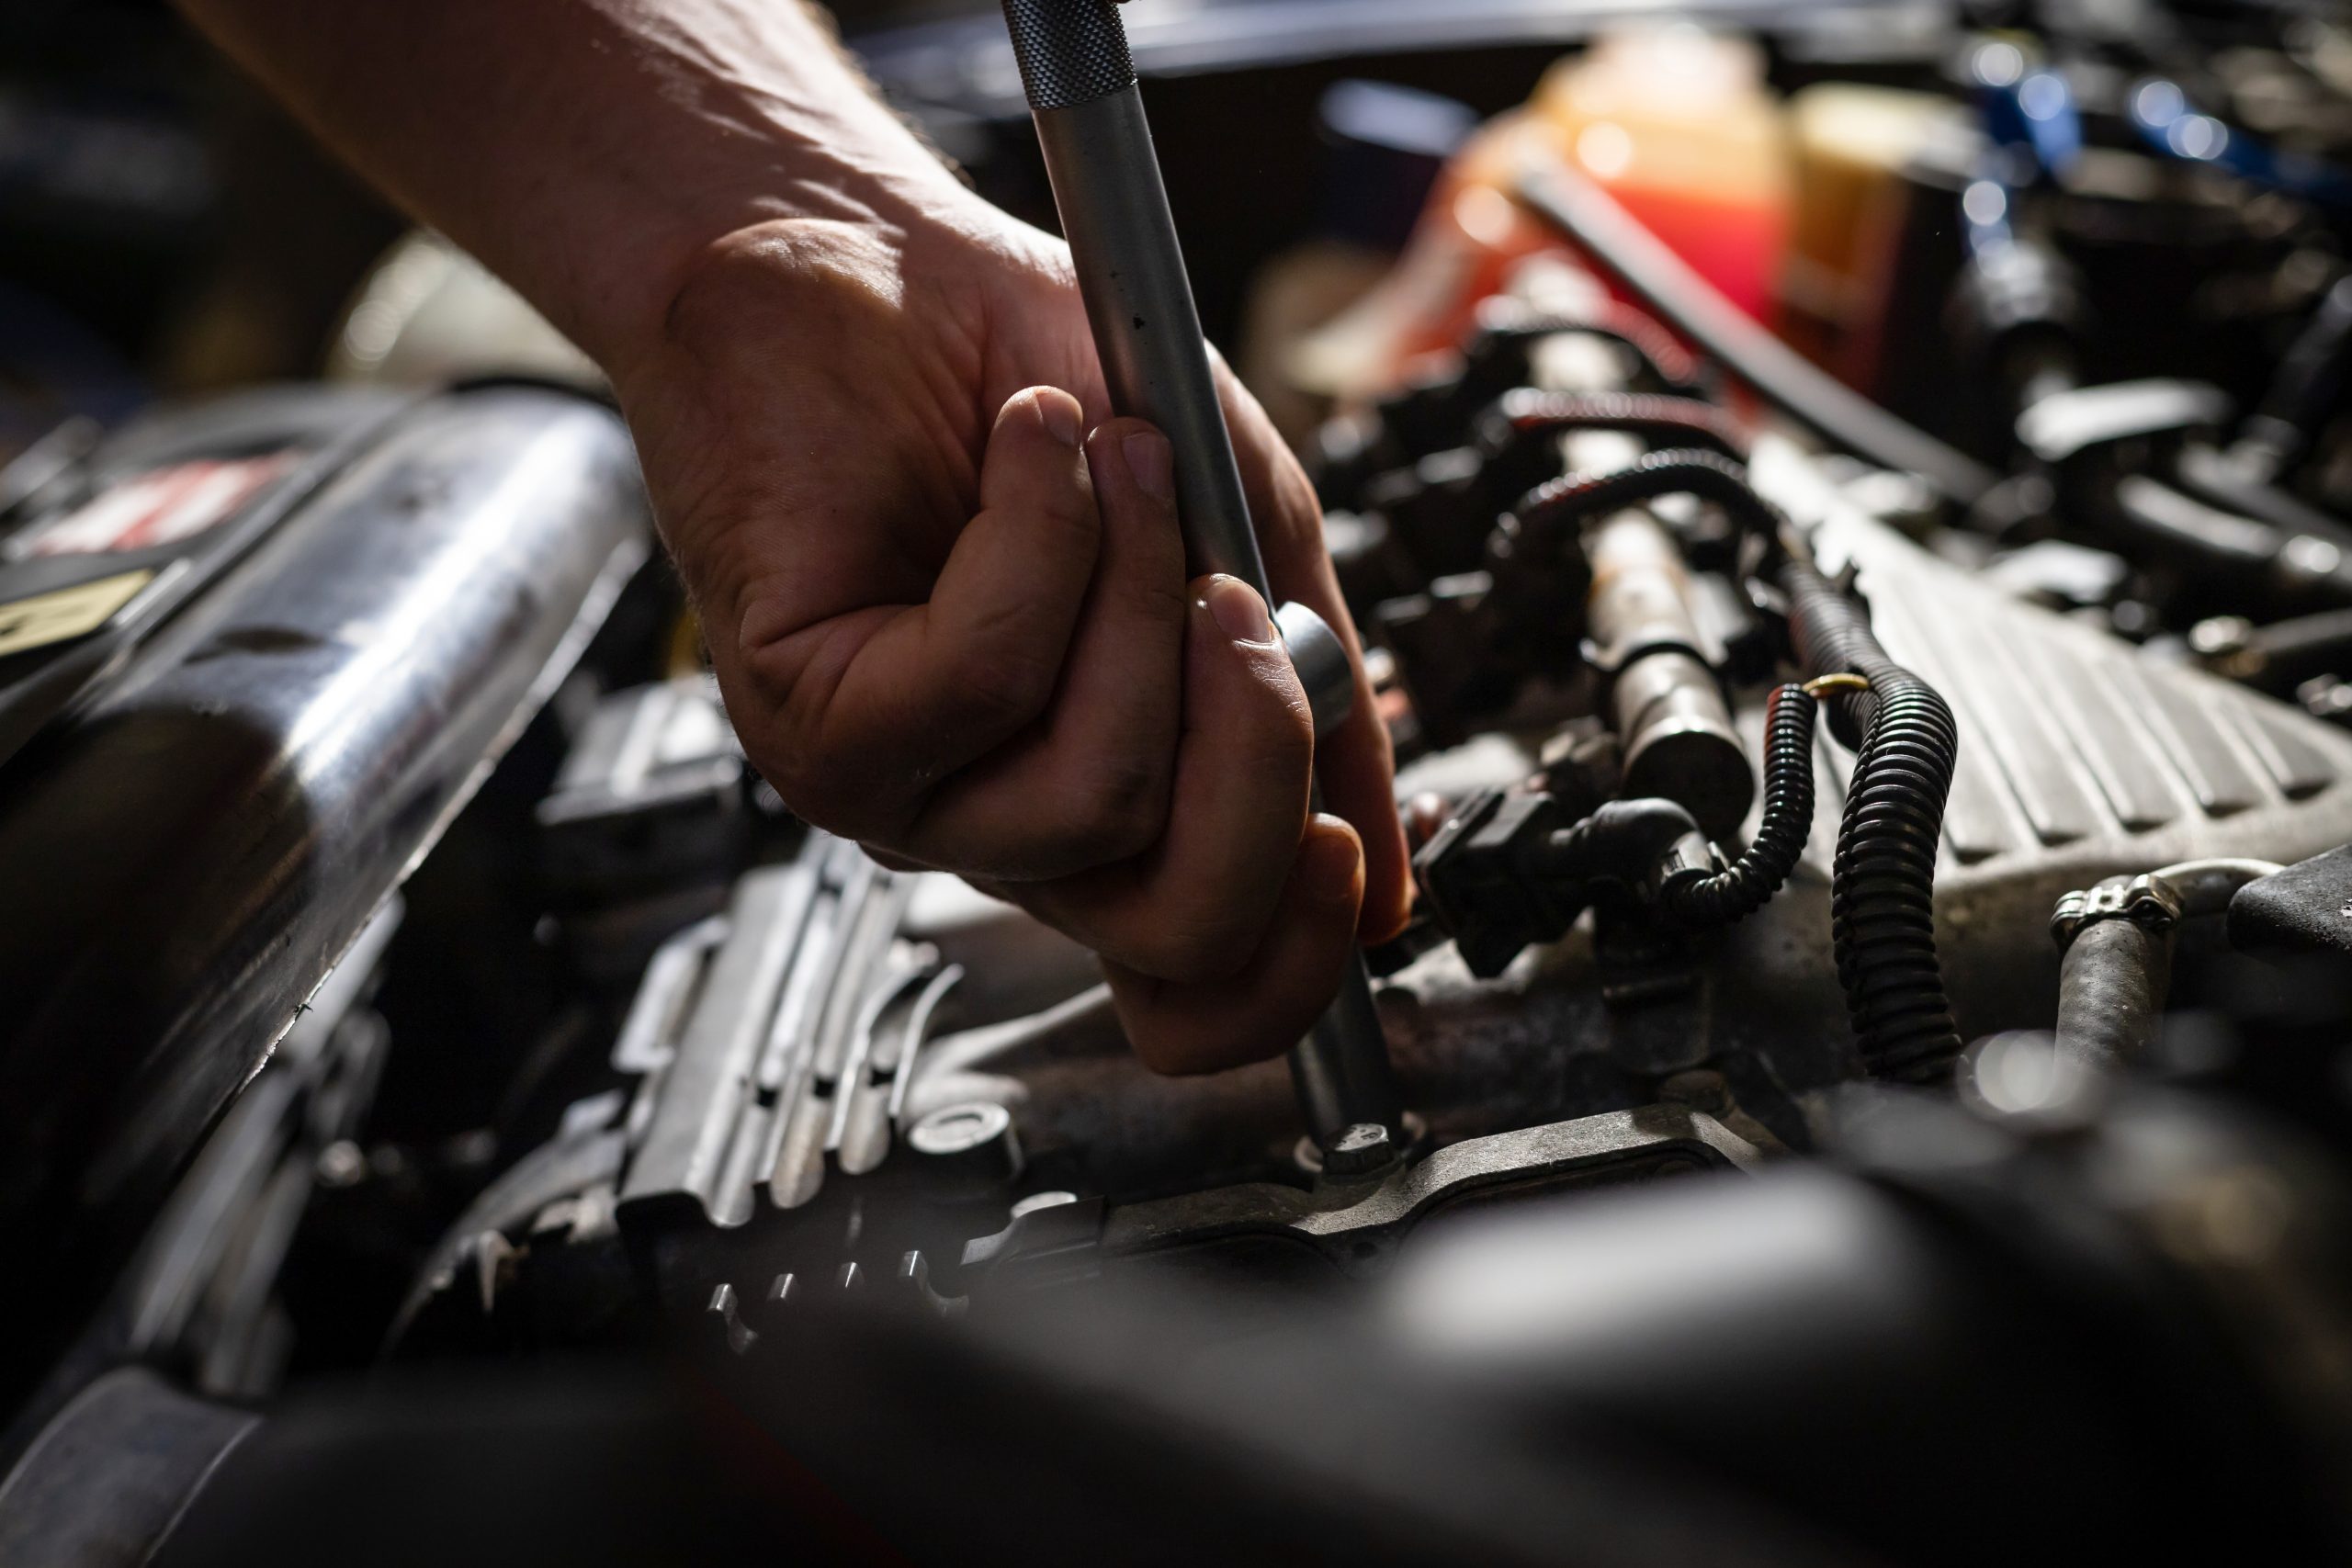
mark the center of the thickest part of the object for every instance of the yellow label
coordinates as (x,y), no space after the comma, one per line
(67,612)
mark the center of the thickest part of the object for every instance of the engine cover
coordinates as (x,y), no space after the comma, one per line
(193,844)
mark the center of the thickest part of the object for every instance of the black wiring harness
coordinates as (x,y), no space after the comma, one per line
(1718,898)
(1882,889)
(1508,871)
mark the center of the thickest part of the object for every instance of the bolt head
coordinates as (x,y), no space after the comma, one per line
(971,1145)
(958,1129)
(1363,1148)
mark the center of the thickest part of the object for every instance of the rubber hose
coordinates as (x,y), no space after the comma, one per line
(2117,973)
(1621,840)
(1527,415)
(1882,888)
(1694,309)
(1741,890)
(2111,989)
(1565,503)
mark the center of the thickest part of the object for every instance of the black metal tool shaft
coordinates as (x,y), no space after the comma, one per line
(1082,94)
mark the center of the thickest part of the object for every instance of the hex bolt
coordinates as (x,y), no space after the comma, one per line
(1363,1149)
(971,1145)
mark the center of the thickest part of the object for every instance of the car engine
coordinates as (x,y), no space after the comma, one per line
(1871,1034)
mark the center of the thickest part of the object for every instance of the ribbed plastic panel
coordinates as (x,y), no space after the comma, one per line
(2076,748)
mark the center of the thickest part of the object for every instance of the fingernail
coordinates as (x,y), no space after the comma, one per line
(1241,614)
(1327,866)
(1060,416)
(1152,463)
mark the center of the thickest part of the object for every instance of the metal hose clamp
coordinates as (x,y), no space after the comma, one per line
(2148,901)
(1823,687)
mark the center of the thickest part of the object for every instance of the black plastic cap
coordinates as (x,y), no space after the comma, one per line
(1070,51)
(2300,910)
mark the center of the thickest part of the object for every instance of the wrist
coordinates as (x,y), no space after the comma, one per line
(738,126)
(875,194)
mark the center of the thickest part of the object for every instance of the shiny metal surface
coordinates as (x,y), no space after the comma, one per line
(1359,1220)
(1321,660)
(692,1146)
(1139,302)
(188,856)
(1669,708)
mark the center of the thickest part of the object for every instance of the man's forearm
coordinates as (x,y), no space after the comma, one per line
(587,150)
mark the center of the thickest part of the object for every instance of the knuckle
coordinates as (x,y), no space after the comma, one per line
(1203,949)
(1120,812)
(1171,1054)
(806,797)
(1008,683)
(824,792)
(1068,516)
(758,696)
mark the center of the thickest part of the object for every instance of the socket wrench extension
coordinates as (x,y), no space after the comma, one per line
(1082,94)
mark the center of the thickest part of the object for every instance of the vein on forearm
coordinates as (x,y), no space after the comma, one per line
(586,149)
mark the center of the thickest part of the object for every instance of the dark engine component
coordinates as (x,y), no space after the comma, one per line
(195,845)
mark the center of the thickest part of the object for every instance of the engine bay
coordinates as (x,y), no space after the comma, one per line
(1866,631)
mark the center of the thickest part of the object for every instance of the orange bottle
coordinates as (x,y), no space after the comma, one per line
(1679,127)
(1676,123)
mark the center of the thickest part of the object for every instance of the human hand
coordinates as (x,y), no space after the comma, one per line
(952,623)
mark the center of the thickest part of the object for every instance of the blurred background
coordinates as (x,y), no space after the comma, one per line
(164,229)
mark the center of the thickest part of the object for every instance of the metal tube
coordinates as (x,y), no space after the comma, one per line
(1083,95)
(1671,717)
(1341,1071)
(1139,302)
